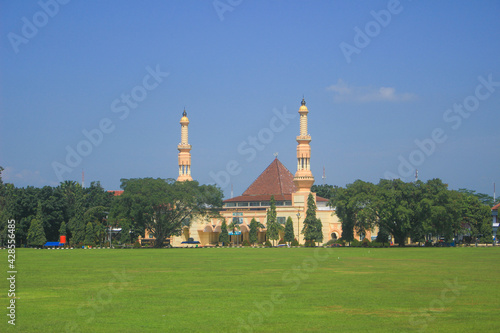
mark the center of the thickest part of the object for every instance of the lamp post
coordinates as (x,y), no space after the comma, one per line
(298,230)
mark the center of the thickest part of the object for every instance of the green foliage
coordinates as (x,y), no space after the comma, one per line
(268,244)
(224,235)
(355,207)
(36,233)
(365,242)
(295,242)
(324,190)
(62,229)
(409,210)
(246,243)
(164,206)
(289,233)
(234,225)
(485,199)
(137,245)
(382,236)
(272,225)
(313,228)
(355,243)
(281,242)
(309,243)
(254,226)
(330,242)
(89,234)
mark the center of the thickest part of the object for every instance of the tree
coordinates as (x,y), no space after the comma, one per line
(36,234)
(394,215)
(224,235)
(485,199)
(97,216)
(234,225)
(289,234)
(89,234)
(273,227)
(77,223)
(355,207)
(62,229)
(164,206)
(325,191)
(252,234)
(312,229)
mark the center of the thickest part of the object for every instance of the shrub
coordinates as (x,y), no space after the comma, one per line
(486,240)
(355,243)
(268,244)
(245,243)
(282,241)
(295,242)
(428,244)
(366,242)
(330,242)
(137,245)
(309,243)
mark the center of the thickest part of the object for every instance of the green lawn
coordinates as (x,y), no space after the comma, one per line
(254,290)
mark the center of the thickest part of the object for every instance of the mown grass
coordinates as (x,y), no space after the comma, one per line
(259,290)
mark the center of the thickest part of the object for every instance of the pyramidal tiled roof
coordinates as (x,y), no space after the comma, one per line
(275,180)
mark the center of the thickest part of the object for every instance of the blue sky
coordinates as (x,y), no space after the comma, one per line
(390,86)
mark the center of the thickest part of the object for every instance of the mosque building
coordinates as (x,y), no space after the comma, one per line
(290,194)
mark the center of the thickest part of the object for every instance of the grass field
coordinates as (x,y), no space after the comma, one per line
(254,290)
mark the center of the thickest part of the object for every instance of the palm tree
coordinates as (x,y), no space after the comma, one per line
(233,226)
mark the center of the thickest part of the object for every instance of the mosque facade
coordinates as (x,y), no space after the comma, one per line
(290,193)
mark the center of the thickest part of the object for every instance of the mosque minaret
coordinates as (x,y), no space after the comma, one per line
(184,151)
(303,179)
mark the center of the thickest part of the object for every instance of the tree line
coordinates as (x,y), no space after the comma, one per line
(414,210)
(165,206)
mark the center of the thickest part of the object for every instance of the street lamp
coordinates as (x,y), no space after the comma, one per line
(298,232)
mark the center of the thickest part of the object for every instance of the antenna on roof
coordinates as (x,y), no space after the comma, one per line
(324,175)
(275,155)
(231,190)
(494,194)
(416,175)
(83,179)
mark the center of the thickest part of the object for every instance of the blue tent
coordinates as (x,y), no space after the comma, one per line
(52,244)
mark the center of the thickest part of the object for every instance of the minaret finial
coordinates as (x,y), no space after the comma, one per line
(184,114)
(303,101)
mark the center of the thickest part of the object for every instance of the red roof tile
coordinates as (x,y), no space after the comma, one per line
(116,193)
(275,180)
(496,207)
